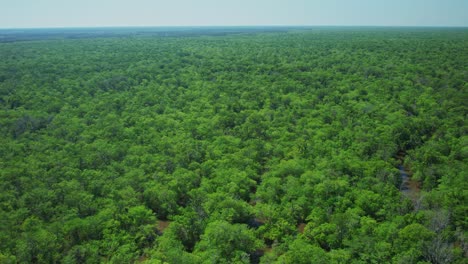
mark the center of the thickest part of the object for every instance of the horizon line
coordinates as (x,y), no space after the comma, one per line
(232,26)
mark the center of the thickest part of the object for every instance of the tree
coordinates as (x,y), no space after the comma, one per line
(223,242)
(37,244)
(302,252)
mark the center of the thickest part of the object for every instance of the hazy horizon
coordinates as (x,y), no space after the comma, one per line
(23,14)
(227,26)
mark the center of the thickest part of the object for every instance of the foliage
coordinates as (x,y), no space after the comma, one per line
(252,146)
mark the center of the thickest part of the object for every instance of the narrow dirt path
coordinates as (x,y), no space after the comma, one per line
(409,188)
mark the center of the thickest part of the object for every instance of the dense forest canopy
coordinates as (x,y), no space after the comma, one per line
(234,146)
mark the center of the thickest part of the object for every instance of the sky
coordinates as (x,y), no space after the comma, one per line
(108,13)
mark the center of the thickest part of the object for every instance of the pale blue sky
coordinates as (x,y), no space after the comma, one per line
(99,13)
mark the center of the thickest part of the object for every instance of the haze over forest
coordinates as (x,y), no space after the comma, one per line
(118,13)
